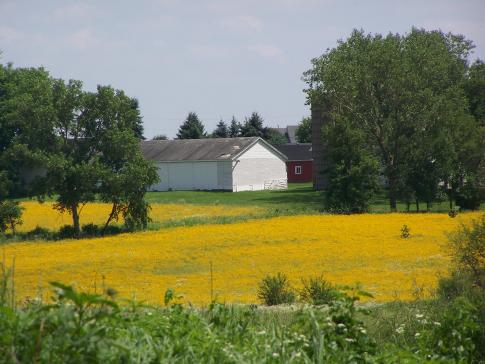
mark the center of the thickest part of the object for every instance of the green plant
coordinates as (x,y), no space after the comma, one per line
(90,230)
(405,232)
(10,215)
(67,232)
(275,290)
(318,291)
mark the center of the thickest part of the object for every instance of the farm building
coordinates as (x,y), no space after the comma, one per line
(300,162)
(234,164)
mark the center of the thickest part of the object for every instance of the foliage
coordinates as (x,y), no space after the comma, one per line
(405,94)
(468,251)
(352,171)
(276,290)
(274,137)
(10,215)
(253,126)
(304,130)
(405,232)
(234,128)
(318,291)
(192,128)
(160,137)
(221,131)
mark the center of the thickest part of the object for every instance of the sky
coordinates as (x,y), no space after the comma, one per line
(217,58)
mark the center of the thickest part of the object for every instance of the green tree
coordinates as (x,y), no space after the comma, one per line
(160,137)
(221,131)
(274,137)
(352,170)
(192,128)
(475,90)
(253,126)
(234,128)
(304,131)
(393,86)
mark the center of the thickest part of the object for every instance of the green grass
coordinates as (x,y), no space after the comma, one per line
(299,198)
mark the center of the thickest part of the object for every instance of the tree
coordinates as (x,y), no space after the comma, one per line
(304,131)
(253,126)
(352,170)
(274,137)
(234,128)
(99,134)
(475,91)
(391,87)
(10,211)
(160,137)
(192,128)
(221,131)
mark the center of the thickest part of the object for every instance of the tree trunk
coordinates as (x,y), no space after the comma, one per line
(111,215)
(392,194)
(417,205)
(75,219)
(428,206)
(408,205)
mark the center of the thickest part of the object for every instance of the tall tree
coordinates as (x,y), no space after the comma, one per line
(253,126)
(391,87)
(352,169)
(234,128)
(192,128)
(221,131)
(304,130)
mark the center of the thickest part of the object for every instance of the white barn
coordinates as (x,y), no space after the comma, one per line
(234,164)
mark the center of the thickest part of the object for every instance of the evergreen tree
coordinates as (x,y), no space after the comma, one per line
(192,128)
(253,126)
(221,131)
(234,128)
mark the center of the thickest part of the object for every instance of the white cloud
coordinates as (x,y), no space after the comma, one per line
(266,51)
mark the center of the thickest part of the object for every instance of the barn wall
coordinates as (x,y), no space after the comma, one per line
(306,171)
(193,176)
(258,168)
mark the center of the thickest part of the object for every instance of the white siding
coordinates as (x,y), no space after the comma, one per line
(258,168)
(193,176)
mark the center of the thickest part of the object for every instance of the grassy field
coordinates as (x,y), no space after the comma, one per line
(364,248)
(298,197)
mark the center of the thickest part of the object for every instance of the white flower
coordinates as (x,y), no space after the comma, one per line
(418,315)
(275,355)
(436,323)
(417,334)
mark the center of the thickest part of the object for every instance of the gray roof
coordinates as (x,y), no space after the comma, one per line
(296,151)
(210,149)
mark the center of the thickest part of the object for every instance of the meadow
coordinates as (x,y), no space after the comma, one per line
(367,249)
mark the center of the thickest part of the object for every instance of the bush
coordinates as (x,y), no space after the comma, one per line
(39,233)
(468,251)
(318,291)
(90,230)
(275,290)
(67,232)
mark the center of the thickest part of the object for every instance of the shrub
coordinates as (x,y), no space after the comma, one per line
(405,232)
(39,233)
(468,251)
(90,230)
(67,232)
(275,290)
(318,291)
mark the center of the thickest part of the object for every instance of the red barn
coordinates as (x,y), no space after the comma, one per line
(299,165)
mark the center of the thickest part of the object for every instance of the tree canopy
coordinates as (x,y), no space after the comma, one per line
(304,130)
(405,94)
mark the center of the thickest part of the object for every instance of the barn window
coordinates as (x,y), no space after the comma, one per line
(297,169)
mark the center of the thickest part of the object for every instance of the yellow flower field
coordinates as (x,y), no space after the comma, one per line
(43,215)
(346,249)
